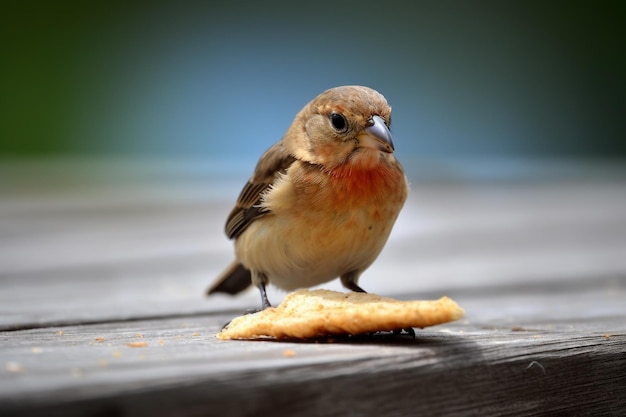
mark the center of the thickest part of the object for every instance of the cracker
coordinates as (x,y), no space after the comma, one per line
(306,314)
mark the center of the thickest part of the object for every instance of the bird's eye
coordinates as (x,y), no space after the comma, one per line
(339,122)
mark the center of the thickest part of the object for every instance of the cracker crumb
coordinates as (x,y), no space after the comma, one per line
(100,339)
(60,332)
(138,335)
(289,353)
(13,367)
(137,344)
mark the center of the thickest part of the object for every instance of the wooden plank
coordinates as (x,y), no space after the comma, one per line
(519,361)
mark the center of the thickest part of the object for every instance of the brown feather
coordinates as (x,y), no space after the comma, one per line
(234,280)
(274,161)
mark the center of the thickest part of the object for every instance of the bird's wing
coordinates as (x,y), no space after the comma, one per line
(274,161)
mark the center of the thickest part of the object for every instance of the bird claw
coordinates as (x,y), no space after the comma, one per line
(409,331)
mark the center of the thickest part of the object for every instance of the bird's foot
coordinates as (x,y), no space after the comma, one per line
(409,331)
(253,310)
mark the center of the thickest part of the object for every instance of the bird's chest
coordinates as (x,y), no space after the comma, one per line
(344,194)
(344,206)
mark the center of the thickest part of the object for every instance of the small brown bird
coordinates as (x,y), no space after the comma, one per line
(321,201)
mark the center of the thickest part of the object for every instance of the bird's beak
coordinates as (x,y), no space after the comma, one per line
(376,136)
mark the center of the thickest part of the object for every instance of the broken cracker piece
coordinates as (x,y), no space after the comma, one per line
(306,314)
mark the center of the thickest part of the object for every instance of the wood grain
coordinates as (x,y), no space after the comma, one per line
(460,369)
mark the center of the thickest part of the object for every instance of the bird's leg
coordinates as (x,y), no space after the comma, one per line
(259,279)
(265,302)
(353,287)
(349,281)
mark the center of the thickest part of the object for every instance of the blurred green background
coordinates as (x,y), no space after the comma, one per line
(224,79)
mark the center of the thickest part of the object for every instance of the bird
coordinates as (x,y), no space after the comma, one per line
(321,201)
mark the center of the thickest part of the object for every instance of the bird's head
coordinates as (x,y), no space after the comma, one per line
(342,125)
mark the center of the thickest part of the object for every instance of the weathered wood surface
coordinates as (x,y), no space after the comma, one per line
(88,267)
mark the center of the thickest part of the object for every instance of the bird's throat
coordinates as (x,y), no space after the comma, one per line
(362,181)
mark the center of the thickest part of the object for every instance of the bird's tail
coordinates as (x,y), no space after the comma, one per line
(235,279)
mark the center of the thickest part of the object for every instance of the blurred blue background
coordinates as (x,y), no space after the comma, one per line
(224,79)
